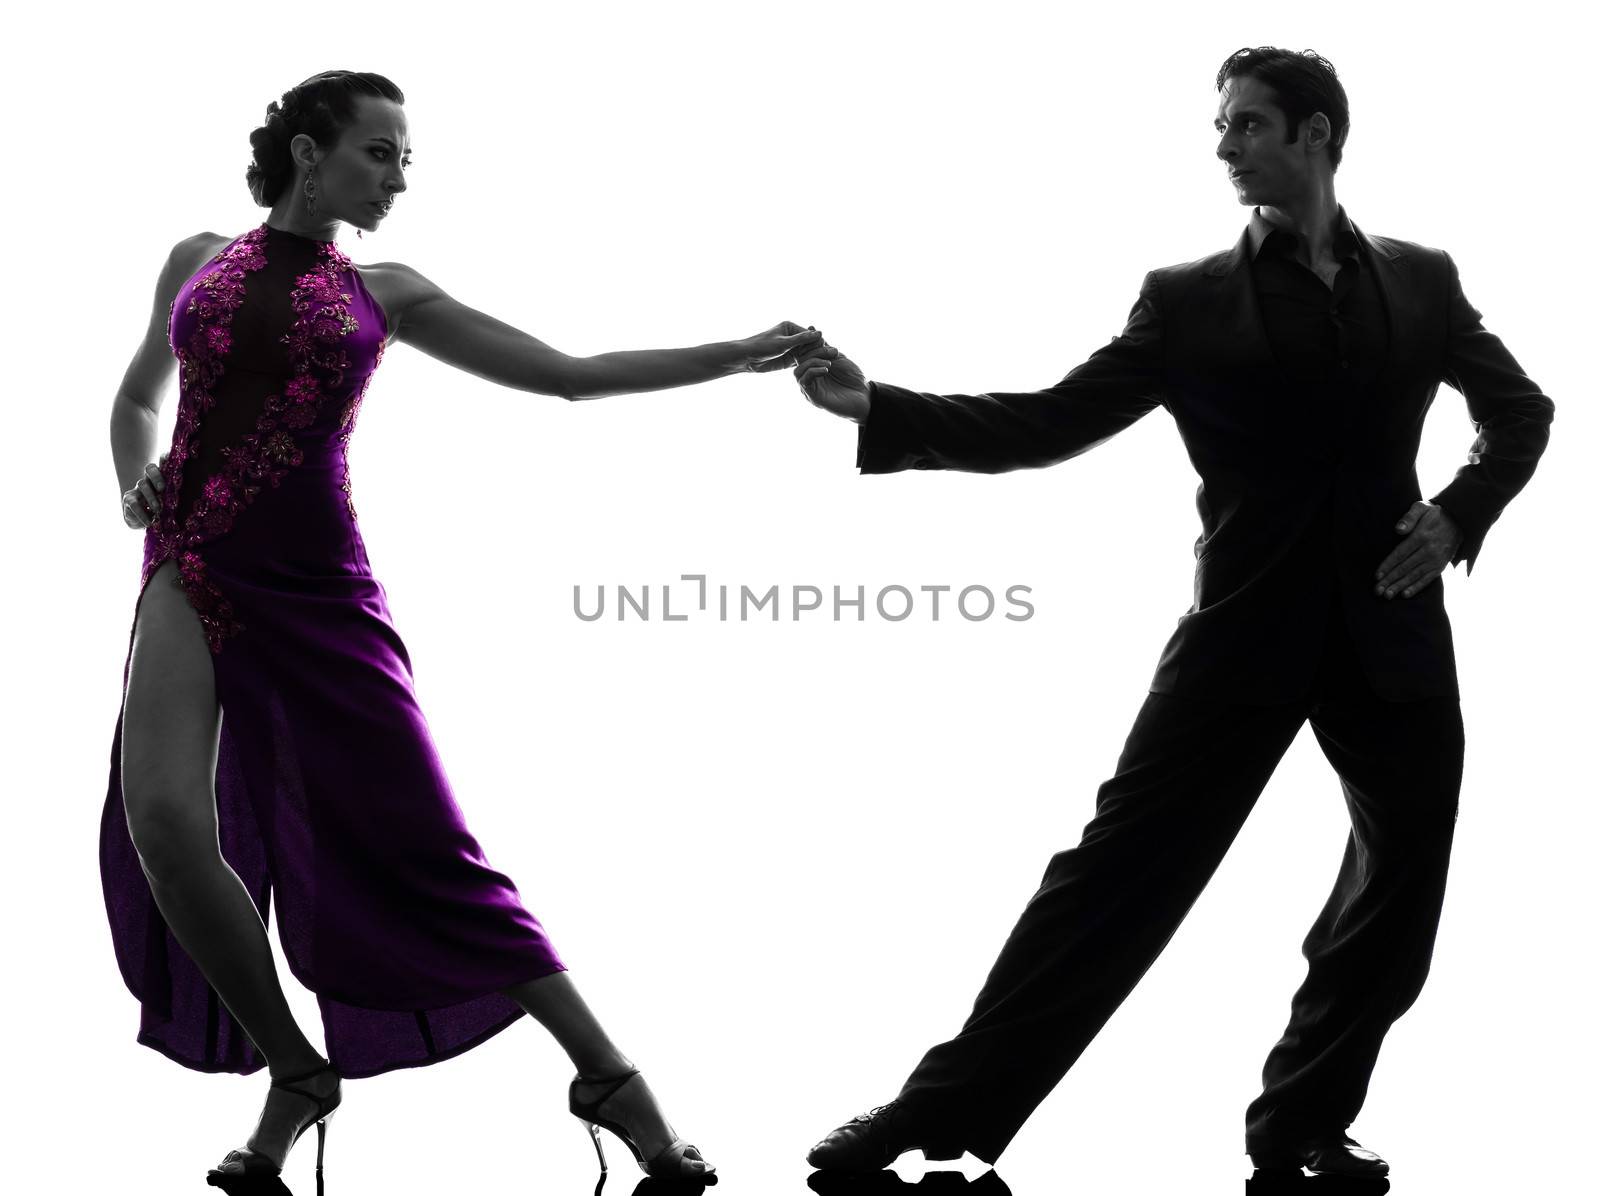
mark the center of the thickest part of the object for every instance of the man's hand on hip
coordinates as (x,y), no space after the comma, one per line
(1430,541)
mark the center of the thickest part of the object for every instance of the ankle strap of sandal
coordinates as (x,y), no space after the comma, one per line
(285,1081)
(615,1082)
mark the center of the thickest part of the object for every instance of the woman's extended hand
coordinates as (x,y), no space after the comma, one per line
(141,502)
(775,349)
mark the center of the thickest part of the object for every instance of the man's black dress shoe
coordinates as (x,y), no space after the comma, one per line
(873,1140)
(1325,1154)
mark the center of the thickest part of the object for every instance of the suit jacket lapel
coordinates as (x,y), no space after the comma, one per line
(1237,308)
(1391,268)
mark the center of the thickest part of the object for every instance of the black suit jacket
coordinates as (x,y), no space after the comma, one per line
(1298,499)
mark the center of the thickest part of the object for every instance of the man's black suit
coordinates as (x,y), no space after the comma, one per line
(1298,501)
(1270,464)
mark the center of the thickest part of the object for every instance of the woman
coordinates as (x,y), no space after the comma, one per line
(256,599)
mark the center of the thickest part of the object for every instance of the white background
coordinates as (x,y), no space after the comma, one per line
(780,857)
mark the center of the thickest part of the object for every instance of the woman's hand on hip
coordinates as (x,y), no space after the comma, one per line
(141,502)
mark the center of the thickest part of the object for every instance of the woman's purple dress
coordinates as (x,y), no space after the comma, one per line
(329,792)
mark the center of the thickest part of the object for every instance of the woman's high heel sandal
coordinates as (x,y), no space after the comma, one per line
(667,1163)
(246,1171)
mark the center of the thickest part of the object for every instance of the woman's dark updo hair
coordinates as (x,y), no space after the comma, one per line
(321,107)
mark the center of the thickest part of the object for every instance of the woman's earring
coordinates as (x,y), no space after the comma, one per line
(311,191)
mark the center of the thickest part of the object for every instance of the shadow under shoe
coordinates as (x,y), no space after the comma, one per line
(872,1140)
(653,1185)
(1295,1183)
(249,1183)
(887,1183)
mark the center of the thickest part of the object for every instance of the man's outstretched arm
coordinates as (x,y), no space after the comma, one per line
(996,432)
(1511,415)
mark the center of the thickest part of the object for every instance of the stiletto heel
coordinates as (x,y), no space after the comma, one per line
(667,1163)
(254,1169)
(594,1132)
(322,1133)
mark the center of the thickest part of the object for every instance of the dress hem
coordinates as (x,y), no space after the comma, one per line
(459,1049)
(218,1068)
(433,1005)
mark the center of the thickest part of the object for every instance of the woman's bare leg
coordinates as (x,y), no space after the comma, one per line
(554,1001)
(171,722)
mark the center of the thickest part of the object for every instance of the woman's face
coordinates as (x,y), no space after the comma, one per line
(358,177)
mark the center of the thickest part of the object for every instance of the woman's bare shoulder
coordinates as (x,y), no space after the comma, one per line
(206,243)
(393,276)
(397,288)
(189,254)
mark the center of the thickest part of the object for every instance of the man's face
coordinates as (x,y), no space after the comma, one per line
(1264,168)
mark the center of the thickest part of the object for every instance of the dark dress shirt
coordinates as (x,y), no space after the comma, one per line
(1331,344)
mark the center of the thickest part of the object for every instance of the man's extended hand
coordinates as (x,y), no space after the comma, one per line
(832,381)
(1431,540)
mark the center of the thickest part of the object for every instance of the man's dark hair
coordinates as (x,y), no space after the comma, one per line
(1304,82)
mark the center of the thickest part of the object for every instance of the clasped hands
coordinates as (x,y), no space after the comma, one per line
(832,381)
(1430,537)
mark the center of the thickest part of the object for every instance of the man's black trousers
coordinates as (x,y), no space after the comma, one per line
(1188,776)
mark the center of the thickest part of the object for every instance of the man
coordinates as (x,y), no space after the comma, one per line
(1298,367)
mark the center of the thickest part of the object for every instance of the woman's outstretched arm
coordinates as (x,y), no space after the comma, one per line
(422,315)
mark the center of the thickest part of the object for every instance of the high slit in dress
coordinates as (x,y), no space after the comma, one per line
(330,795)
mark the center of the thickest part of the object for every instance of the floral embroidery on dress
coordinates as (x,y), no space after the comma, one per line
(214,299)
(262,457)
(347,426)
